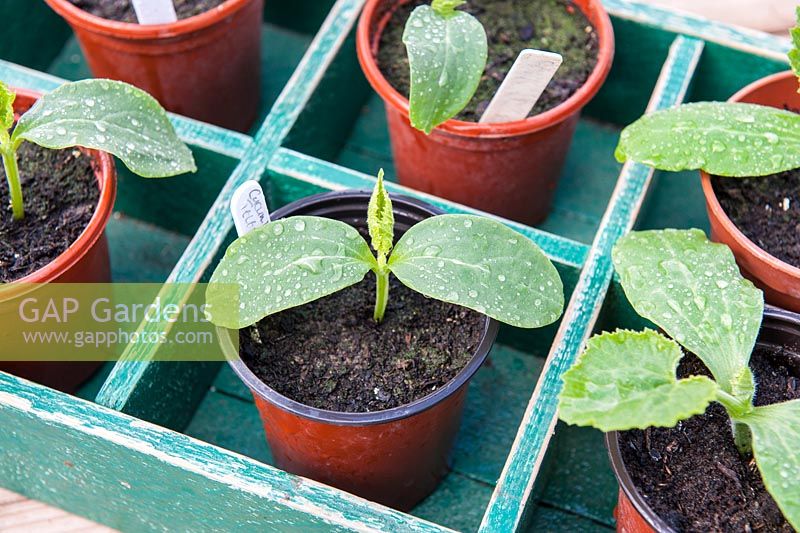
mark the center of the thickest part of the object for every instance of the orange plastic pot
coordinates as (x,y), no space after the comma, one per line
(779,280)
(395,457)
(778,328)
(206,67)
(510,169)
(85,261)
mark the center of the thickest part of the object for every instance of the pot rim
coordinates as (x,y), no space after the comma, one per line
(594,11)
(719,213)
(77,16)
(626,484)
(260,388)
(105,172)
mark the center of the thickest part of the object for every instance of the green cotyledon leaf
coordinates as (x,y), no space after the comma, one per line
(776,434)
(380,218)
(284,264)
(693,290)
(111,116)
(7,98)
(626,380)
(479,263)
(724,139)
(447,56)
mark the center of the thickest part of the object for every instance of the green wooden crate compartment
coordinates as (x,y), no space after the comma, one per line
(508,473)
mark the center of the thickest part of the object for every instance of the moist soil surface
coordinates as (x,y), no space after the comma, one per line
(766,210)
(60,196)
(122,10)
(693,476)
(511,26)
(331,354)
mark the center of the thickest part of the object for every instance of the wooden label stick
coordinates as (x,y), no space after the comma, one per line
(524,84)
(154,11)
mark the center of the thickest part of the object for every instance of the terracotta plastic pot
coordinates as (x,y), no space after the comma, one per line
(206,67)
(633,514)
(85,261)
(395,457)
(510,169)
(779,281)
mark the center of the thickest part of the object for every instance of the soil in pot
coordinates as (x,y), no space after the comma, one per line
(61,195)
(766,210)
(511,26)
(693,476)
(122,10)
(330,354)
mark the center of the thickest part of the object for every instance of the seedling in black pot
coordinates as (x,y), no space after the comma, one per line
(466,260)
(692,289)
(102,114)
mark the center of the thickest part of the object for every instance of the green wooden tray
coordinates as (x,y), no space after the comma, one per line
(179,446)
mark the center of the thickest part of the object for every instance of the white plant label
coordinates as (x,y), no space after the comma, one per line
(155,11)
(522,87)
(249,207)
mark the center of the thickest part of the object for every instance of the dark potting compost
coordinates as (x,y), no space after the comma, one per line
(331,354)
(693,476)
(60,193)
(511,26)
(766,210)
(122,10)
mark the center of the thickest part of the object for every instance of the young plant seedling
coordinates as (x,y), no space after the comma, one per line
(101,114)
(692,289)
(466,260)
(725,139)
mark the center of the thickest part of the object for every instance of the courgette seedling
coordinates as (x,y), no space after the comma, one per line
(736,140)
(467,260)
(692,289)
(101,114)
(447,54)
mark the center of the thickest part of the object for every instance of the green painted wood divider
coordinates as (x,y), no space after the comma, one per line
(513,491)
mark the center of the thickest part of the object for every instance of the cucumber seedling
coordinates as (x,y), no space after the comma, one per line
(691,289)
(447,54)
(466,260)
(100,114)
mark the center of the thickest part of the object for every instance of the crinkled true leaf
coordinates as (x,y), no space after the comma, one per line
(794,53)
(7,98)
(380,218)
(111,116)
(776,434)
(692,289)
(626,380)
(284,264)
(724,139)
(446,7)
(481,264)
(447,56)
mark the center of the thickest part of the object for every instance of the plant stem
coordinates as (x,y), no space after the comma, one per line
(381,289)
(738,408)
(12,175)
(742,437)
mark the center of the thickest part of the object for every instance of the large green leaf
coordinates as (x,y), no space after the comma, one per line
(794,53)
(447,56)
(284,264)
(111,116)
(626,380)
(725,139)
(7,98)
(380,218)
(776,434)
(692,289)
(481,264)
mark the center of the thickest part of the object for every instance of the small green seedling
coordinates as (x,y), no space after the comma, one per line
(465,260)
(725,139)
(447,53)
(101,114)
(692,289)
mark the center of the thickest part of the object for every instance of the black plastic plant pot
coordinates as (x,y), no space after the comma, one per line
(396,456)
(779,328)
